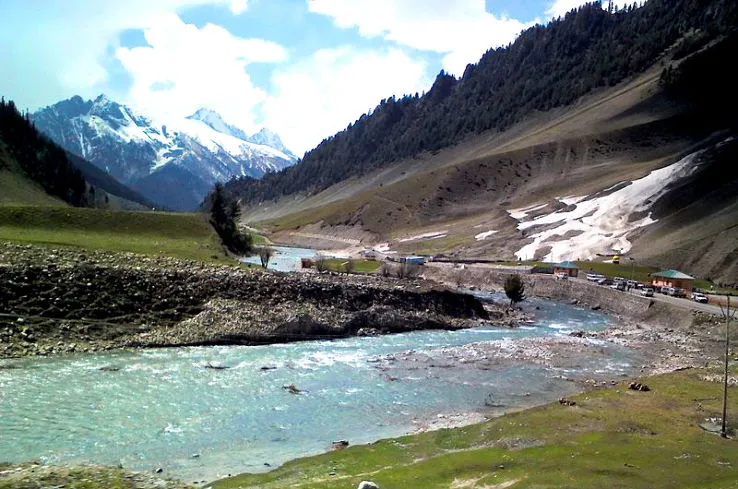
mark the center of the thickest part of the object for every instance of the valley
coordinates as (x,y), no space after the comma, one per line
(475,279)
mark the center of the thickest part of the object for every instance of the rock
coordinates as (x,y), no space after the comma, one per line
(216,366)
(637,386)
(566,402)
(159,470)
(339,444)
(367,485)
(291,389)
(596,307)
(577,334)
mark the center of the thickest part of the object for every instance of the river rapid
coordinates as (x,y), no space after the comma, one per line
(168,408)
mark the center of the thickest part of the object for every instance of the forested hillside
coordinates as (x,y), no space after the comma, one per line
(546,67)
(39,158)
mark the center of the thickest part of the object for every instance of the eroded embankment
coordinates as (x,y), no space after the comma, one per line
(71,300)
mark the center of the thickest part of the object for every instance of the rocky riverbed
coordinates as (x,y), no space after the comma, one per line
(56,300)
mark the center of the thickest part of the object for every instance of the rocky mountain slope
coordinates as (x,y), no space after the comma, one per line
(173,163)
(644,168)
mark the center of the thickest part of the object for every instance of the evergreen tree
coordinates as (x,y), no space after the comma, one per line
(514,289)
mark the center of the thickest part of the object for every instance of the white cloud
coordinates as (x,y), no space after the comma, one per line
(185,67)
(462,29)
(54,48)
(560,8)
(320,95)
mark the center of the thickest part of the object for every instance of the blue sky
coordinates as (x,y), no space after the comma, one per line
(303,68)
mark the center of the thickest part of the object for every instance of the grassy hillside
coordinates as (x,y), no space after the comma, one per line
(17,189)
(155,233)
(614,438)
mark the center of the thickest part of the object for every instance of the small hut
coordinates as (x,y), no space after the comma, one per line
(673,278)
(567,267)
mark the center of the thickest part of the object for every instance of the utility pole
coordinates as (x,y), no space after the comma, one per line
(728,317)
(632,267)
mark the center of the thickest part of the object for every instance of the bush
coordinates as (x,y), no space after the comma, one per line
(321,264)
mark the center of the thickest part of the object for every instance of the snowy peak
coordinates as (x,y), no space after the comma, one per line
(216,122)
(264,137)
(269,138)
(152,155)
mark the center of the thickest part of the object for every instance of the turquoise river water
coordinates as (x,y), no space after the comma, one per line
(164,408)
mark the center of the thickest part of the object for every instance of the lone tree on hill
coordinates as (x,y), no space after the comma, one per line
(514,289)
(265,254)
(224,214)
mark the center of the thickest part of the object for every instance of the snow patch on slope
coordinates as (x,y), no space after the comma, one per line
(600,224)
(432,235)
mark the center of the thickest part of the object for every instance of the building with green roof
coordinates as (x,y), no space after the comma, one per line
(673,278)
(567,267)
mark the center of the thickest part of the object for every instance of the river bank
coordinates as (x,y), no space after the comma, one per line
(670,337)
(62,300)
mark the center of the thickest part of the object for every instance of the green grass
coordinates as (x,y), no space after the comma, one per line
(154,233)
(15,189)
(360,266)
(615,438)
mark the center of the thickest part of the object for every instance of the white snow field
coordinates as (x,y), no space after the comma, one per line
(602,223)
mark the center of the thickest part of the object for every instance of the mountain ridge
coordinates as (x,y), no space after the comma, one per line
(546,67)
(135,148)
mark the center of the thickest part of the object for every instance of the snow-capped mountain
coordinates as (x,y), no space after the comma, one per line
(173,162)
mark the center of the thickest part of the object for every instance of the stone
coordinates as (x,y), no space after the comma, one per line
(367,485)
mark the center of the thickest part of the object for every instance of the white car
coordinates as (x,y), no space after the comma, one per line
(698,297)
(562,276)
(647,292)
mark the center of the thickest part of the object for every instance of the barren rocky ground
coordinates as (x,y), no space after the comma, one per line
(63,300)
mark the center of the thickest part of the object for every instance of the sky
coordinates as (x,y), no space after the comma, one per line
(302,68)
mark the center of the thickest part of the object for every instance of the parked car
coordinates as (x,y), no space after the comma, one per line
(698,297)
(594,277)
(604,281)
(647,292)
(618,286)
(562,276)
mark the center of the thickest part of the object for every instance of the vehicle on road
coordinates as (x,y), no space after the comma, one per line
(618,286)
(647,292)
(562,276)
(698,297)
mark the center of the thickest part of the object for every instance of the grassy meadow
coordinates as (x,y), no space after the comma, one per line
(187,236)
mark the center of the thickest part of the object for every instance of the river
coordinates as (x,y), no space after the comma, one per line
(285,258)
(164,408)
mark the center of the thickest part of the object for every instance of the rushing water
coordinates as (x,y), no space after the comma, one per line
(163,408)
(285,259)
